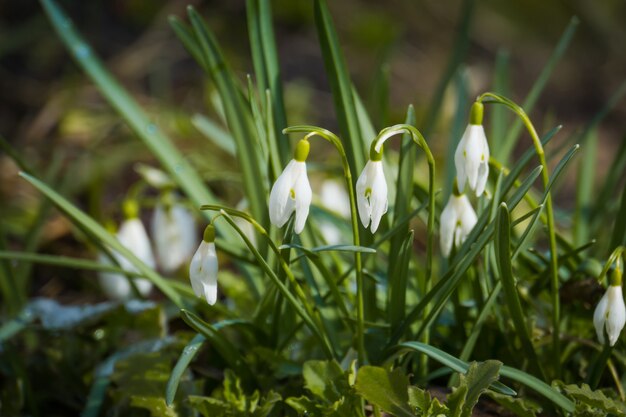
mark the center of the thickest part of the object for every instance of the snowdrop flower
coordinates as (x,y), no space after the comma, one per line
(131,234)
(203,268)
(472,154)
(457,220)
(291,191)
(174,233)
(371,192)
(610,313)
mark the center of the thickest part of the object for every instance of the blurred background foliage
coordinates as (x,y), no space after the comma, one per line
(397,53)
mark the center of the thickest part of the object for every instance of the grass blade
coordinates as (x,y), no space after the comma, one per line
(341,87)
(156,140)
(238,118)
(398,282)
(505,271)
(504,151)
(189,352)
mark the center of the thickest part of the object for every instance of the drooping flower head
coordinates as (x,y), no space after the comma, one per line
(131,234)
(610,313)
(292,191)
(471,157)
(457,220)
(174,233)
(203,268)
(371,191)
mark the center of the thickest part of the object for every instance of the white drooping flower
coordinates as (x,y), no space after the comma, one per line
(610,314)
(292,191)
(371,194)
(457,220)
(174,233)
(471,157)
(203,268)
(131,234)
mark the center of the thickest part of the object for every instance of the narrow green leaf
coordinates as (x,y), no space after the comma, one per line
(619,229)
(505,271)
(86,222)
(448,360)
(155,139)
(214,133)
(341,87)
(499,117)
(535,92)
(225,348)
(189,352)
(238,117)
(398,283)
(328,248)
(267,70)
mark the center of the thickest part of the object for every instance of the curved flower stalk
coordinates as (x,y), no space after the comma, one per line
(545,177)
(371,192)
(458,218)
(204,266)
(132,234)
(376,149)
(292,191)
(471,158)
(174,233)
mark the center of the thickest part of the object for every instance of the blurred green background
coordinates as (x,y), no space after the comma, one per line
(397,52)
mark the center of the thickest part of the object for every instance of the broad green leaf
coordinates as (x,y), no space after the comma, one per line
(321,378)
(473,384)
(155,405)
(596,400)
(387,390)
(505,371)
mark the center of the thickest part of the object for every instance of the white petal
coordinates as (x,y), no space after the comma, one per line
(378,198)
(195,269)
(174,236)
(616,314)
(459,162)
(447,225)
(115,286)
(467,216)
(303,196)
(203,272)
(363,204)
(599,316)
(474,153)
(281,205)
(132,234)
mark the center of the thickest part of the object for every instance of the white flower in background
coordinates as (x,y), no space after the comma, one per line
(610,314)
(472,154)
(371,194)
(457,220)
(174,233)
(154,176)
(131,234)
(203,268)
(292,191)
(335,198)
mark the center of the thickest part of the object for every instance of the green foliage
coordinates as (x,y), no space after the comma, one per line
(331,388)
(232,401)
(590,403)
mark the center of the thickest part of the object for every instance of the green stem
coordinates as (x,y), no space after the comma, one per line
(545,177)
(332,138)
